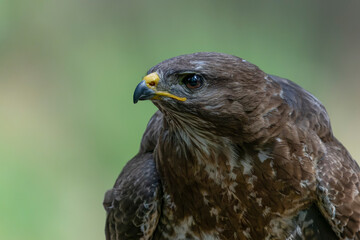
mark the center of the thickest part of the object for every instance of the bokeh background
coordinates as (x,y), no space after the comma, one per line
(68,70)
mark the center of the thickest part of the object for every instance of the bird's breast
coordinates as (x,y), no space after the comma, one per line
(227,192)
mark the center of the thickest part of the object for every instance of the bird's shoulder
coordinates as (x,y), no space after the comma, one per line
(306,111)
(133,204)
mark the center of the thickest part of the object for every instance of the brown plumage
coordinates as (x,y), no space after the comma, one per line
(233,153)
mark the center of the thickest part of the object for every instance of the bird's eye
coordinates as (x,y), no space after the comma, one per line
(193,81)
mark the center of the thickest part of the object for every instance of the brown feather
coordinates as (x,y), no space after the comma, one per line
(246,156)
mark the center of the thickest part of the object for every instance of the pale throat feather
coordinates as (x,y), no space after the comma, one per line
(210,152)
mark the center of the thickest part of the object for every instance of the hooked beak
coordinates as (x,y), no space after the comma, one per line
(142,92)
(146,89)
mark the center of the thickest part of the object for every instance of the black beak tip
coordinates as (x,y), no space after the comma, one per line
(142,92)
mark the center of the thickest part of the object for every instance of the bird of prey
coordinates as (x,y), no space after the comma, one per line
(233,153)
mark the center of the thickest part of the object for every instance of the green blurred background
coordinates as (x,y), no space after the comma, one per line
(68,70)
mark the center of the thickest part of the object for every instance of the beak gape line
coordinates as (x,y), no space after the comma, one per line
(146,89)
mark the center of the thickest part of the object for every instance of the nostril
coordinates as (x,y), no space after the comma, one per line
(152,83)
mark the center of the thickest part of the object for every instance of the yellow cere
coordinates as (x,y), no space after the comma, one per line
(152,80)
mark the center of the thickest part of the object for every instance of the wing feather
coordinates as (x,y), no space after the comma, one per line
(338,190)
(133,205)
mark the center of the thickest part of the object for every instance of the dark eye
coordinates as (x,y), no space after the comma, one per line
(193,81)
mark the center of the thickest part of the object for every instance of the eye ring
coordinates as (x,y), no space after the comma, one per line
(193,81)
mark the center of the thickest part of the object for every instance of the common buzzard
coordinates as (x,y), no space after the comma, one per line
(233,153)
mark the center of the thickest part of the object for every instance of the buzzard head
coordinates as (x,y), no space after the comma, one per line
(213,92)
